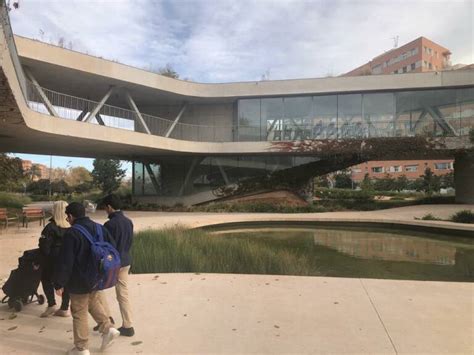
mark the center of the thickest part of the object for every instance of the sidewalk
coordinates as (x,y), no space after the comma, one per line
(222,313)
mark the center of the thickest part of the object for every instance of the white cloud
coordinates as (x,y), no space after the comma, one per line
(228,40)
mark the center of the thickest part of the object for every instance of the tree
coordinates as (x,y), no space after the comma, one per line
(11,172)
(168,71)
(321,181)
(107,174)
(402,183)
(33,172)
(430,182)
(447,180)
(343,181)
(40,187)
(366,183)
(386,183)
(78,176)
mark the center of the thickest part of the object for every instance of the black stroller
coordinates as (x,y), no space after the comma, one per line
(22,285)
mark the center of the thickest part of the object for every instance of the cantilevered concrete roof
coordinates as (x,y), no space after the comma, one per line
(87,76)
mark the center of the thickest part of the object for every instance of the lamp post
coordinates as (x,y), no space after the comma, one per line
(50,172)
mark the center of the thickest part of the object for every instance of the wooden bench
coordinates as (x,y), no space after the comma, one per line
(6,218)
(32,213)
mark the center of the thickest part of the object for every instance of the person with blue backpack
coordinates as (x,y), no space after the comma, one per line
(88,263)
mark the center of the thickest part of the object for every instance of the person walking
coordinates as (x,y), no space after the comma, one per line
(121,229)
(74,258)
(50,244)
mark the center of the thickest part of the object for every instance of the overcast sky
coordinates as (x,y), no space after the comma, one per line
(239,40)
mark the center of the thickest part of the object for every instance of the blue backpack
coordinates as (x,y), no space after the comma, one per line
(103,268)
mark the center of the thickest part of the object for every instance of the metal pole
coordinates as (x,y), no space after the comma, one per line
(50,171)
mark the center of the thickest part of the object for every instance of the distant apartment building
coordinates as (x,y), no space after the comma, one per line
(420,55)
(42,171)
(412,169)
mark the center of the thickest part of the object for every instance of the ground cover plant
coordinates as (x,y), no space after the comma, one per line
(464,216)
(181,250)
(12,200)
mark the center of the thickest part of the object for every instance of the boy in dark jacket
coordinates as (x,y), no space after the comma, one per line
(74,256)
(121,230)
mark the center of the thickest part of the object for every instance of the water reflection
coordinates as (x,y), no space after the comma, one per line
(375,253)
(383,246)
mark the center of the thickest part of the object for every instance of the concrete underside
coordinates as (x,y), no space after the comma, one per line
(264,314)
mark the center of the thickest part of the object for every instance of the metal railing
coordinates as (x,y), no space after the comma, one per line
(71,107)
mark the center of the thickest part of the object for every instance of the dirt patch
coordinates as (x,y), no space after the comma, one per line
(280,197)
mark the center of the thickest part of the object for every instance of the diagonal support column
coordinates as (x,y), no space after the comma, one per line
(99,119)
(134,107)
(41,93)
(223,173)
(271,127)
(419,120)
(153,179)
(82,115)
(439,119)
(97,108)
(194,163)
(176,120)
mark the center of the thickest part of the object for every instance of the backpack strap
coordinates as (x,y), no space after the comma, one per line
(84,232)
(99,232)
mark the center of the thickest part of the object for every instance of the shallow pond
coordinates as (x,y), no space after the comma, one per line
(371,253)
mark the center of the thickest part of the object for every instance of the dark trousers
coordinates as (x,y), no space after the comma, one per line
(48,289)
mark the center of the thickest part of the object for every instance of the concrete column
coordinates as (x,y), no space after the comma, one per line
(464,178)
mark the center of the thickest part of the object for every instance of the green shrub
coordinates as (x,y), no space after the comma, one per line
(430,217)
(181,250)
(11,200)
(343,194)
(464,216)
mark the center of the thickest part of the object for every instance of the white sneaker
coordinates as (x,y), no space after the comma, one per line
(76,351)
(49,311)
(108,338)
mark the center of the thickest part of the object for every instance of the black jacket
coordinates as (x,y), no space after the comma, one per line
(51,240)
(74,255)
(121,229)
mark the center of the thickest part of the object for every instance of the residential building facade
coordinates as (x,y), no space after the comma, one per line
(412,169)
(418,56)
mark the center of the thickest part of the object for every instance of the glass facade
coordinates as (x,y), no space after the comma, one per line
(191,175)
(444,112)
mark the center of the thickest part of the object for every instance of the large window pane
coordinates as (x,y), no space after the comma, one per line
(349,113)
(324,117)
(297,120)
(249,120)
(272,118)
(465,98)
(137,178)
(430,112)
(379,111)
(152,180)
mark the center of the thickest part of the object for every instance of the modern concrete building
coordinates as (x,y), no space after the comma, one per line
(418,56)
(193,142)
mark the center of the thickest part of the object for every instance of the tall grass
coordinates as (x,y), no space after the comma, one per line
(11,200)
(181,250)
